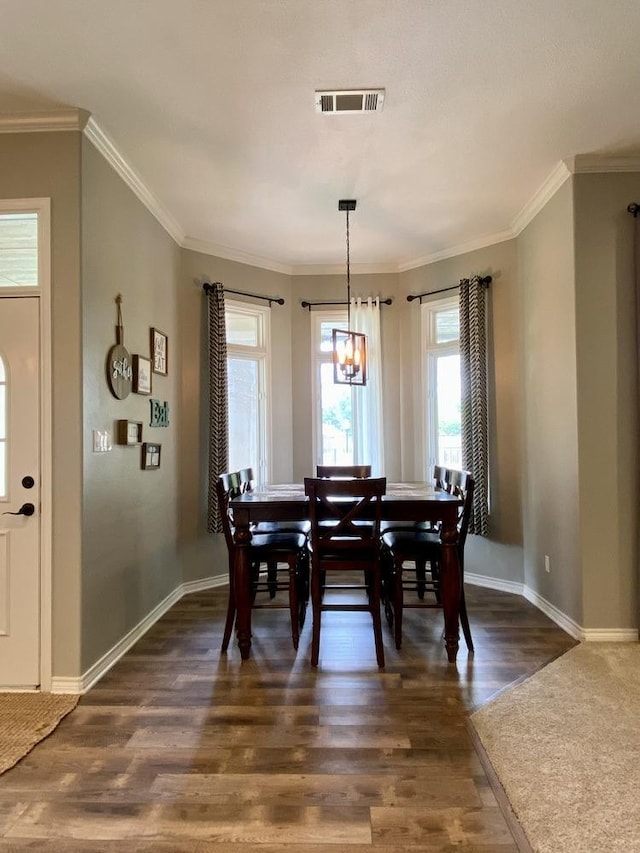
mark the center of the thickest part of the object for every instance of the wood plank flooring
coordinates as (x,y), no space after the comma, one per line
(180,748)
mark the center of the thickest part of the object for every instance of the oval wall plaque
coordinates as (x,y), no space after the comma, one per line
(119,371)
(119,367)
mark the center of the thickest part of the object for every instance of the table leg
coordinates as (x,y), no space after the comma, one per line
(450,580)
(242,585)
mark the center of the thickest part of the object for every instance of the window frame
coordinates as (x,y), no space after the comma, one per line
(260,353)
(430,351)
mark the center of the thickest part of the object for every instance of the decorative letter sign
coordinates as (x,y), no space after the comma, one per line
(159,413)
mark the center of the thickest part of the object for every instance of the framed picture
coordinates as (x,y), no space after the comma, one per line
(129,432)
(159,352)
(151,455)
(141,374)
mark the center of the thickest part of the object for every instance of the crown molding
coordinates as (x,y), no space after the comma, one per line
(541,197)
(590,163)
(462,249)
(73,119)
(106,147)
(226,253)
(43,121)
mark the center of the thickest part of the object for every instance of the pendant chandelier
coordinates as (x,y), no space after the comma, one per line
(349,347)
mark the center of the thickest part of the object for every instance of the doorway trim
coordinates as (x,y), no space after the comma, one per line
(42,206)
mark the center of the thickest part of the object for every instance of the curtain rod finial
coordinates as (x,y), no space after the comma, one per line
(634,209)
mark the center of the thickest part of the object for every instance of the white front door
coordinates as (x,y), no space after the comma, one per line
(19,493)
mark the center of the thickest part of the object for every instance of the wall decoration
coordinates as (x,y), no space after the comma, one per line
(150,455)
(119,369)
(159,416)
(159,352)
(129,432)
(141,374)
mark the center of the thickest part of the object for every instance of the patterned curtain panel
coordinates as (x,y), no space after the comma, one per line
(218,401)
(473,375)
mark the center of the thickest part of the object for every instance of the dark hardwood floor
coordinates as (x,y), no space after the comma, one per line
(181,748)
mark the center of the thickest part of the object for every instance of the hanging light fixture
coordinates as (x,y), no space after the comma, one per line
(349,347)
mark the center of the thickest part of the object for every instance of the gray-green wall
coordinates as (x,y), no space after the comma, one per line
(130,559)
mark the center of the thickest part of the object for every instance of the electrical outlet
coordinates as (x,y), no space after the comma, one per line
(547,563)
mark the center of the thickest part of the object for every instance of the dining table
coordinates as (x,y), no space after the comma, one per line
(407,501)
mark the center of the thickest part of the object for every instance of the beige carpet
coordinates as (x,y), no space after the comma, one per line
(565,745)
(26,719)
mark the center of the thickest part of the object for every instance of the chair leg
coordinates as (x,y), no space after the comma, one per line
(398,601)
(421,577)
(302,580)
(293,600)
(316,602)
(272,577)
(231,615)
(464,621)
(375,613)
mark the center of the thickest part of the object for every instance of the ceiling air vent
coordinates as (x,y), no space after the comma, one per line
(350,101)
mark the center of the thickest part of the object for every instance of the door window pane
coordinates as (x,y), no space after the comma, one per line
(19,250)
(449,438)
(244,446)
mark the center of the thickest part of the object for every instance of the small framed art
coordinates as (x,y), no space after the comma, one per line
(150,455)
(129,432)
(141,374)
(159,352)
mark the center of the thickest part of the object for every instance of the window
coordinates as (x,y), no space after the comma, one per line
(19,249)
(248,370)
(441,345)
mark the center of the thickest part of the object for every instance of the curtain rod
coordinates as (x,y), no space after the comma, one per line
(310,305)
(208,287)
(634,209)
(486,281)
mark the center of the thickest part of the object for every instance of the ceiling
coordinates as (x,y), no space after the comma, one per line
(210,106)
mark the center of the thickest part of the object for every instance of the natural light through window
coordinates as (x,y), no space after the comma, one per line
(334,415)
(247,366)
(441,336)
(19,250)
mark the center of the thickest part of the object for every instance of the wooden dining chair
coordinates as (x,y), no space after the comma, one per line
(270,550)
(343,470)
(247,483)
(406,554)
(346,545)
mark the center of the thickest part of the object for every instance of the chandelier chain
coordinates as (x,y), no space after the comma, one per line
(348,278)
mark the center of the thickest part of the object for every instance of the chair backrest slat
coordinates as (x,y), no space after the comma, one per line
(246,479)
(347,502)
(461,484)
(343,471)
(227,487)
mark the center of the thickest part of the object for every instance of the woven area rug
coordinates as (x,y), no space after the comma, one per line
(26,719)
(565,745)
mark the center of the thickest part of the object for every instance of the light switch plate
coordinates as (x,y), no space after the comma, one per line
(101,441)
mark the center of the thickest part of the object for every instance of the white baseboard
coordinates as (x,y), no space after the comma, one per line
(494,583)
(599,635)
(95,672)
(100,667)
(565,622)
(610,635)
